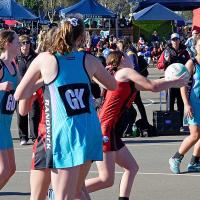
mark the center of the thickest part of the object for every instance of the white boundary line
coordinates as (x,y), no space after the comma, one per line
(151,102)
(140,173)
(22,148)
(152,144)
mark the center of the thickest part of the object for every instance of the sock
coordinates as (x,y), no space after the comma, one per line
(123,198)
(178,155)
(194,160)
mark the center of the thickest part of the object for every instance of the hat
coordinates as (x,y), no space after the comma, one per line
(175,35)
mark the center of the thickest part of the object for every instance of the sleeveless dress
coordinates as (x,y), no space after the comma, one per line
(7,108)
(195,98)
(73,132)
(115,103)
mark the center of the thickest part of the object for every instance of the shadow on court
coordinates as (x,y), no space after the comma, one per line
(15,194)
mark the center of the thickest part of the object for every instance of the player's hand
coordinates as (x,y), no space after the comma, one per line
(181,80)
(6,86)
(188,111)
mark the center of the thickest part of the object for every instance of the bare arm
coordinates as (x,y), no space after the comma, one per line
(6,86)
(184,90)
(25,105)
(30,82)
(157,85)
(98,73)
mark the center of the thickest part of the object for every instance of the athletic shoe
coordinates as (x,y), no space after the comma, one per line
(193,167)
(23,142)
(51,194)
(175,165)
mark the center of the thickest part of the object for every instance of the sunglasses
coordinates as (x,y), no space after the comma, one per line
(175,39)
(25,42)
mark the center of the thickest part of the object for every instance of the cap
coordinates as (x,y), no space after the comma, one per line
(175,35)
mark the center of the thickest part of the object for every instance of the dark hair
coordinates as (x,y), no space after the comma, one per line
(6,36)
(68,32)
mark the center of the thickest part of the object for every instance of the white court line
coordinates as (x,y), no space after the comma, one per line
(140,173)
(152,144)
(21,148)
(152,102)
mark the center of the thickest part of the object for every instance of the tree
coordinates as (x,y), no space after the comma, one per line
(187,15)
(118,6)
(46,7)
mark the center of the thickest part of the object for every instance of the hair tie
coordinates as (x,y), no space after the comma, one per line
(72,21)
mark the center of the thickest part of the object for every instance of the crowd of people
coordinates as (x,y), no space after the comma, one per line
(53,86)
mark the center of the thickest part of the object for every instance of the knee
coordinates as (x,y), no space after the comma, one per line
(7,172)
(133,169)
(108,181)
(195,137)
(4,174)
(12,170)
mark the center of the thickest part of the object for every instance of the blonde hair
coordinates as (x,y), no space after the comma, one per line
(69,31)
(23,38)
(48,39)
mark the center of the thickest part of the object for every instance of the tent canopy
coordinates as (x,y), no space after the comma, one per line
(157,12)
(89,9)
(196,17)
(11,22)
(178,5)
(9,9)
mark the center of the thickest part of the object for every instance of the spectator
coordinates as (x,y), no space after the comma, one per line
(25,58)
(175,52)
(155,55)
(147,54)
(190,43)
(155,37)
(140,42)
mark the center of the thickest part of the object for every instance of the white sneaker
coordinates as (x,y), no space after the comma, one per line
(23,142)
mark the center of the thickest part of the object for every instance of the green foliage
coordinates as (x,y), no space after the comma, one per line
(118,6)
(187,15)
(146,28)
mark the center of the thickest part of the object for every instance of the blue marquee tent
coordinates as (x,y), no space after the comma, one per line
(178,5)
(89,9)
(157,12)
(9,9)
